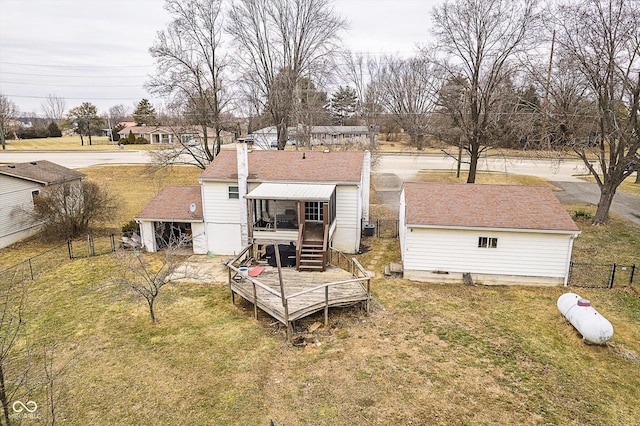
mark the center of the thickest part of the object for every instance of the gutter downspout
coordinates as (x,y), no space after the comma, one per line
(566,273)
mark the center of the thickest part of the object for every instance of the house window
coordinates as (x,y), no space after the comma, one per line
(487,242)
(233,192)
(313,211)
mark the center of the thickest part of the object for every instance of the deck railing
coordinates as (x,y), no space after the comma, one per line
(358,273)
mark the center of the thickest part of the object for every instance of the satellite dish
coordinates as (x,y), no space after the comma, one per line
(192,207)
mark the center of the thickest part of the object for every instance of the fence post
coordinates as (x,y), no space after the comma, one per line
(613,275)
(70,246)
(378,228)
(113,244)
(633,270)
(570,272)
(91,249)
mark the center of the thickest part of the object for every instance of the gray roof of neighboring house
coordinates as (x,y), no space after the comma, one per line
(43,172)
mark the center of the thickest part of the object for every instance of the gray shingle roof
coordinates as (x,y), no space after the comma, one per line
(43,172)
(485,206)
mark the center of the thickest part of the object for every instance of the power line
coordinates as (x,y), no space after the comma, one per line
(74,76)
(41,65)
(67,85)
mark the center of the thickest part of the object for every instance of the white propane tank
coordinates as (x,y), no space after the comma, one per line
(578,311)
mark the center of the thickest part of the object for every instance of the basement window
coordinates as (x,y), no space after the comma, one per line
(487,242)
(234,192)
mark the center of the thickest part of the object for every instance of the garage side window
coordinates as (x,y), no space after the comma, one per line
(487,242)
(233,192)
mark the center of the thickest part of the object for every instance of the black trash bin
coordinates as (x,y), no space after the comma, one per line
(369,230)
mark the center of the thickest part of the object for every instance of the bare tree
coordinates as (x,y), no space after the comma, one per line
(54,108)
(145,274)
(601,39)
(191,70)
(478,42)
(12,376)
(8,113)
(280,42)
(362,72)
(69,209)
(409,91)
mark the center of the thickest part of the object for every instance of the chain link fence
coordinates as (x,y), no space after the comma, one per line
(612,275)
(32,268)
(381,228)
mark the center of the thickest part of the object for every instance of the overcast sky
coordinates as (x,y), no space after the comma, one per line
(97,50)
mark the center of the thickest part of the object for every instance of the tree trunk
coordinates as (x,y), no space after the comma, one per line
(3,396)
(81,138)
(637,176)
(282,135)
(473,163)
(151,311)
(604,204)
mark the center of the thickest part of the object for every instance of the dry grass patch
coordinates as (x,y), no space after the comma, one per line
(496,178)
(71,143)
(135,186)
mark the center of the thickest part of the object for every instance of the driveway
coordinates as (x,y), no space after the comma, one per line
(625,205)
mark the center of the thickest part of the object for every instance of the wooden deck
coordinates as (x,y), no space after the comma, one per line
(304,292)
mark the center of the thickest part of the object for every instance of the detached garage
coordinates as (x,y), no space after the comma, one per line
(175,214)
(499,234)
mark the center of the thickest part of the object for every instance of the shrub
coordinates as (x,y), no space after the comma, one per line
(131,138)
(141,141)
(54,130)
(581,214)
(130,227)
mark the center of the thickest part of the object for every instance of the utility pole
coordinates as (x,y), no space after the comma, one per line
(545,104)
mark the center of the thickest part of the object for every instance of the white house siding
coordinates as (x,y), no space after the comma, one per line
(348,218)
(402,231)
(518,254)
(148,235)
(199,238)
(222,218)
(14,194)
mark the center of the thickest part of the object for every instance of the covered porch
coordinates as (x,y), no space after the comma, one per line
(288,295)
(302,214)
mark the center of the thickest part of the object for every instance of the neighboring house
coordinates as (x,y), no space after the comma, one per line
(175,214)
(19,184)
(267,138)
(326,135)
(285,196)
(500,234)
(170,135)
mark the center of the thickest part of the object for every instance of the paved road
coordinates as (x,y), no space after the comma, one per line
(625,205)
(77,159)
(389,172)
(407,166)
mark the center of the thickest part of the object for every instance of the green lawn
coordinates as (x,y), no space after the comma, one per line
(426,354)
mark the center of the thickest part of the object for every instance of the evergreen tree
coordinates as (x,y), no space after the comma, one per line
(343,104)
(54,130)
(131,138)
(144,113)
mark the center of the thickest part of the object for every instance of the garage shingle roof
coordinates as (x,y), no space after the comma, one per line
(485,206)
(172,204)
(43,172)
(289,166)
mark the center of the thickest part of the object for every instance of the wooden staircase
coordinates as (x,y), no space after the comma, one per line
(312,256)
